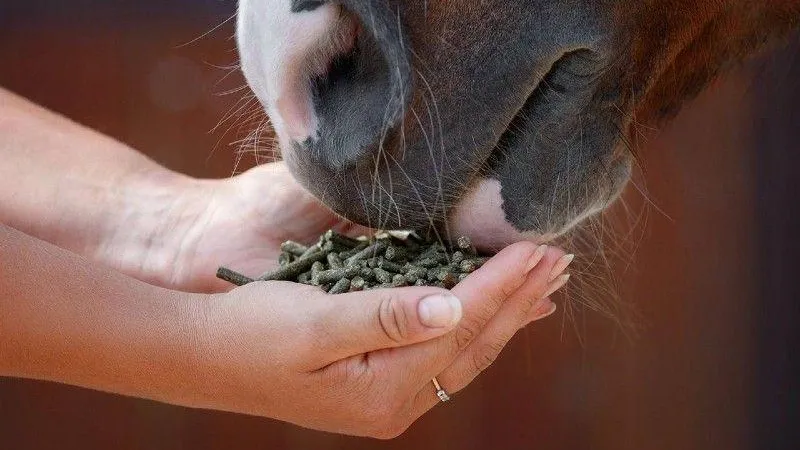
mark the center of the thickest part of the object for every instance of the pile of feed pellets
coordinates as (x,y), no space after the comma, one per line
(339,264)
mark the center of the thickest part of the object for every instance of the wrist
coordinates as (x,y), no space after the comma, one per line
(148,217)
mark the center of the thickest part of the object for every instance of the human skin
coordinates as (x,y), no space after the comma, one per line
(101,248)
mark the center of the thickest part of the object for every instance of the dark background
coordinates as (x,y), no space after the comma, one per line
(707,256)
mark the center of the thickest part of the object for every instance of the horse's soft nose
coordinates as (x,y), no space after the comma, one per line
(284,45)
(333,76)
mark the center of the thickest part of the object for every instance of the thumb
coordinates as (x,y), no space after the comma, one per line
(365,321)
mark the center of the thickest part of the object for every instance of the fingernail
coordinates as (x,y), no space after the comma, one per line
(560,266)
(557,284)
(439,311)
(536,258)
(543,309)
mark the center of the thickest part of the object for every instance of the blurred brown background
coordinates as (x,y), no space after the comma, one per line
(709,257)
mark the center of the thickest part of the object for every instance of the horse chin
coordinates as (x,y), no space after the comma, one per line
(480,216)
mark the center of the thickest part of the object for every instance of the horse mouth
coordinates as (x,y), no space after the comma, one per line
(373,162)
(388,188)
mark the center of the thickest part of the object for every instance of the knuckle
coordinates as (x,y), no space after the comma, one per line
(485,355)
(466,333)
(505,292)
(393,319)
(494,302)
(486,311)
(526,305)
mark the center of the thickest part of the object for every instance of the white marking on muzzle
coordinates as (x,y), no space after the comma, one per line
(282,51)
(480,215)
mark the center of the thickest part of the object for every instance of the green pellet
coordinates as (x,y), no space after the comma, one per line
(472,264)
(340,239)
(293,269)
(357,284)
(416,272)
(340,287)
(367,274)
(428,263)
(310,251)
(347,254)
(337,263)
(465,244)
(457,257)
(316,268)
(432,274)
(334,261)
(370,252)
(294,248)
(332,275)
(327,247)
(233,277)
(399,280)
(392,266)
(285,258)
(382,276)
(396,253)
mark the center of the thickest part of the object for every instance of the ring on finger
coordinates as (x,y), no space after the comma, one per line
(440,392)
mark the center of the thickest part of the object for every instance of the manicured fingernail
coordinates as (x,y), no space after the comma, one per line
(543,309)
(557,284)
(560,266)
(439,311)
(536,258)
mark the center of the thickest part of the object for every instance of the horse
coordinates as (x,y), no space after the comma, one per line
(499,119)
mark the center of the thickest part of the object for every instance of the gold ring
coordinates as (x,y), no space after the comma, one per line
(440,392)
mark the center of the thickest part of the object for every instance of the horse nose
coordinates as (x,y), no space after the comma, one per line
(283,44)
(331,81)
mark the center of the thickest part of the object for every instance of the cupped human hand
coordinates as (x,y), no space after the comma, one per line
(361,363)
(238,223)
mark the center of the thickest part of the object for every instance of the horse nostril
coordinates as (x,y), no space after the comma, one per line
(283,46)
(334,77)
(362,95)
(306,5)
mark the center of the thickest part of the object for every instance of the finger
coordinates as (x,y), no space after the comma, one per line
(482,294)
(362,322)
(529,303)
(546,309)
(543,309)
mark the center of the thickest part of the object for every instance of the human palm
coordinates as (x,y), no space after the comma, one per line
(241,222)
